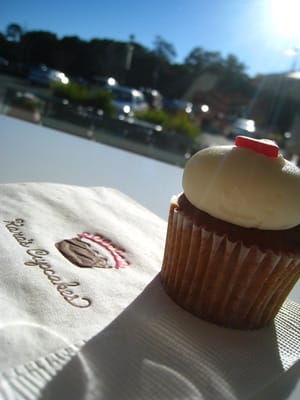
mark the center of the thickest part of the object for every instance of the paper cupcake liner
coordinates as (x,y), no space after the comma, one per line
(222,281)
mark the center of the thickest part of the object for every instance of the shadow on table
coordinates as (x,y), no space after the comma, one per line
(156,350)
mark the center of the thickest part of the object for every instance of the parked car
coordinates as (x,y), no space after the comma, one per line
(175,106)
(240,126)
(127,100)
(4,64)
(44,76)
(12,67)
(153,97)
(103,81)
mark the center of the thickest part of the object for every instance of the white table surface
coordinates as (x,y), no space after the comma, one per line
(33,153)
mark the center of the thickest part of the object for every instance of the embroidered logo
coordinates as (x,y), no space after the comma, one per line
(92,251)
(39,259)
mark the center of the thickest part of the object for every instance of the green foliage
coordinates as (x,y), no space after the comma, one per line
(153,116)
(84,96)
(179,123)
(163,49)
(101,99)
(73,92)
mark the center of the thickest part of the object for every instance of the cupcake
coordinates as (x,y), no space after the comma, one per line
(232,252)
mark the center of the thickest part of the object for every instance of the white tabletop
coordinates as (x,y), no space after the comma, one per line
(33,153)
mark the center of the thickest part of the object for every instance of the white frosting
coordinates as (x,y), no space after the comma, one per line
(243,187)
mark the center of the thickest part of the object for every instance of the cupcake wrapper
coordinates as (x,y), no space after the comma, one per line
(221,281)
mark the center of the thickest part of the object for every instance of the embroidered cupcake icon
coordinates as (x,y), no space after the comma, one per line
(92,251)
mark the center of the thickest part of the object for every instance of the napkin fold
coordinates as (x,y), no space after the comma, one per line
(156,350)
(26,381)
(72,259)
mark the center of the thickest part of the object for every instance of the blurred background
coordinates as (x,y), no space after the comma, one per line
(162,78)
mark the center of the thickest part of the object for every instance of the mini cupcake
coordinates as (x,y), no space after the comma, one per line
(232,252)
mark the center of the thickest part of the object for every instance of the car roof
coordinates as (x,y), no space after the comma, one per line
(125,89)
(44,68)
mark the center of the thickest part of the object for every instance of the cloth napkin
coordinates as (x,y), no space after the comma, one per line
(156,350)
(280,380)
(139,343)
(72,259)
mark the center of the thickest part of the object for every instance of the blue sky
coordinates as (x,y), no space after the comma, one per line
(258,32)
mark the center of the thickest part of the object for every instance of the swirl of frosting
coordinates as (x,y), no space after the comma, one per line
(243,187)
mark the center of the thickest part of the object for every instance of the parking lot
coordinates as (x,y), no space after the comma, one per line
(19,83)
(127,136)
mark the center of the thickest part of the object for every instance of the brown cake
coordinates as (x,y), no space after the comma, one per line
(232,251)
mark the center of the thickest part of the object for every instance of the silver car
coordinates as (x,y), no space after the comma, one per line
(127,100)
(44,76)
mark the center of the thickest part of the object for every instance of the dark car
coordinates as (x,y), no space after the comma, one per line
(240,126)
(103,81)
(44,76)
(153,98)
(175,106)
(4,64)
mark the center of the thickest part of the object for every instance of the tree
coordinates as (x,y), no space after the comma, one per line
(14,32)
(71,55)
(233,79)
(39,47)
(2,39)
(163,49)
(142,67)
(212,59)
(232,63)
(194,59)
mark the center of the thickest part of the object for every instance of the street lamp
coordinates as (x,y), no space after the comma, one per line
(129,55)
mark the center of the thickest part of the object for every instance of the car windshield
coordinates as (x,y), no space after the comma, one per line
(215,68)
(139,99)
(121,95)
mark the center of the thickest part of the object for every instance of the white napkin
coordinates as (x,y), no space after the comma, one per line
(26,381)
(146,346)
(156,350)
(46,301)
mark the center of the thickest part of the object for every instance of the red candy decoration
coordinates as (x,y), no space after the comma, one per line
(263,146)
